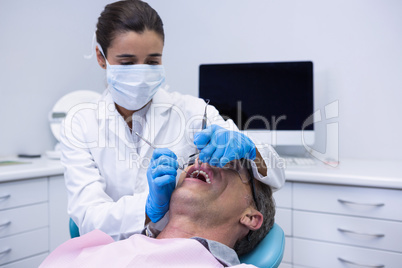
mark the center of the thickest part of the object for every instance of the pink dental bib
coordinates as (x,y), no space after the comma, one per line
(97,249)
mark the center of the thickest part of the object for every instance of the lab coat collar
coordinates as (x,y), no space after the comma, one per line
(162,100)
(156,116)
(109,118)
(106,106)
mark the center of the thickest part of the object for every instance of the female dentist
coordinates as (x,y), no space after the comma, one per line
(114,180)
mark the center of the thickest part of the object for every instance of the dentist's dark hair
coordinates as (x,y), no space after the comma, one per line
(124,16)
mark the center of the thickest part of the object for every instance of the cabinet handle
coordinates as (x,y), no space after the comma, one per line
(4,224)
(5,251)
(357,233)
(360,204)
(4,197)
(361,265)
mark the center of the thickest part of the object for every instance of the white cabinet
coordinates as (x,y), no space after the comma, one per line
(348,200)
(58,218)
(22,219)
(354,231)
(283,200)
(311,253)
(341,226)
(21,193)
(27,263)
(24,245)
(33,220)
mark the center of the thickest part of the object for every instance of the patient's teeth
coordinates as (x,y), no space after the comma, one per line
(196,173)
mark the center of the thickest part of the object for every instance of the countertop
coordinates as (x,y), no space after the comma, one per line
(370,173)
(28,168)
(382,174)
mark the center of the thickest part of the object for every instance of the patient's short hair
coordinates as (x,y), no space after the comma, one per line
(266,205)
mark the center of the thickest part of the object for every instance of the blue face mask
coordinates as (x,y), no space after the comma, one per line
(133,86)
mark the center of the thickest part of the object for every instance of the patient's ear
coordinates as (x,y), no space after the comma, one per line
(252,219)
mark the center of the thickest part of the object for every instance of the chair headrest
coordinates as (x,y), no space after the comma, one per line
(269,252)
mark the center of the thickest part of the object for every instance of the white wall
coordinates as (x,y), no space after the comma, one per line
(42,47)
(355,46)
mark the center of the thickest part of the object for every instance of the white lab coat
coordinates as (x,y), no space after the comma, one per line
(106,178)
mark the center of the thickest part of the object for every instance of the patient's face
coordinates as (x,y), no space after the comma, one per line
(219,193)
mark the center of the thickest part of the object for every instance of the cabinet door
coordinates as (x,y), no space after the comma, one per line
(347,200)
(19,246)
(283,197)
(27,263)
(58,217)
(283,217)
(25,192)
(308,253)
(285,265)
(370,233)
(288,253)
(22,219)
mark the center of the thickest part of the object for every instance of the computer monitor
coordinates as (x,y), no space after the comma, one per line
(272,101)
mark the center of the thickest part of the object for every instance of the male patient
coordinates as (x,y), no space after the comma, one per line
(213,215)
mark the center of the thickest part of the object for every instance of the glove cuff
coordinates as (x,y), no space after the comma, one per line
(155,212)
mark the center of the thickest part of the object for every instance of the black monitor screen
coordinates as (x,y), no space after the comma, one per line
(254,94)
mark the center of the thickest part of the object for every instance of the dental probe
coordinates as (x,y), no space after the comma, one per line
(204,119)
(153,147)
(203,126)
(147,141)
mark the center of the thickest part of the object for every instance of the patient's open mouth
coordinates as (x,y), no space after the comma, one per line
(201,175)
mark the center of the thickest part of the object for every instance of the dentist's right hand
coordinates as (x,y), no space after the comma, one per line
(161,176)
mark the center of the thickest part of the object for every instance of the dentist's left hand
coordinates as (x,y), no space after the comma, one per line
(161,176)
(219,146)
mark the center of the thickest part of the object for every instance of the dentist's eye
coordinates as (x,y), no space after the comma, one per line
(153,62)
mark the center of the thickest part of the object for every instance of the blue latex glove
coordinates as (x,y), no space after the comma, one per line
(161,176)
(219,146)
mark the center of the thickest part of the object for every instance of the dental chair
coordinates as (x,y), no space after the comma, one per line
(268,253)
(74,232)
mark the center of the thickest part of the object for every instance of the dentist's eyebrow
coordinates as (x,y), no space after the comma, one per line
(134,56)
(126,56)
(155,55)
